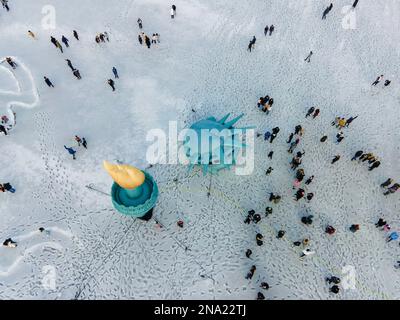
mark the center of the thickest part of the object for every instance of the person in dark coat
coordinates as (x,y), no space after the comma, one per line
(48,82)
(70,64)
(76,35)
(3,129)
(271,29)
(65,41)
(316,113)
(308,59)
(250,274)
(310,112)
(380,223)
(77,74)
(260,296)
(375,165)
(357,155)
(115,71)
(335,159)
(266,30)
(355,4)
(111,83)
(327,10)
(309,180)
(387,183)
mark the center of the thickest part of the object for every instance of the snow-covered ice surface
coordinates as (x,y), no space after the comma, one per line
(201,63)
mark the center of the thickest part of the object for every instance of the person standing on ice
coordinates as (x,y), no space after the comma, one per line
(10,243)
(309,180)
(310,112)
(308,59)
(147,40)
(31,34)
(298,130)
(264,285)
(7,187)
(65,41)
(300,194)
(260,296)
(296,161)
(380,223)
(5,4)
(357,155)
(56,43)
(293,145)
(252,43)
(335,289)
(350,120)
(271,29)
(266,30)
(11,63)
(387,82)
(339,137)
(48,82)
(375,165)
(140,39)
(392,189)
(78,140)
(249,253)
(140,23)
(115,71)
(53,41)
(250,274)
(70,64)
(3,129)
(173,7)
(392,236)
(335,159)
(76,36)
(354,228)
(379,79)
(387,183)
(290,138)
(172,13)
(316,113)
(111,83)
(355,4)
(275,132)
(84,143)
(281,234)
(326,11)
(59,46)
(71,152)
(77,74)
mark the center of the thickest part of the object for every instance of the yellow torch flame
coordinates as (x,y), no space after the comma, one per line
(125,176)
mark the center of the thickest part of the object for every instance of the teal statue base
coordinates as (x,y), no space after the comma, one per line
(138,202)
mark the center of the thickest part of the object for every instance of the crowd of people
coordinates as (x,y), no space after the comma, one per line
(341,123)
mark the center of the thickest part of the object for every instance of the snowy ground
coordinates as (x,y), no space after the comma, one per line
(201,63)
